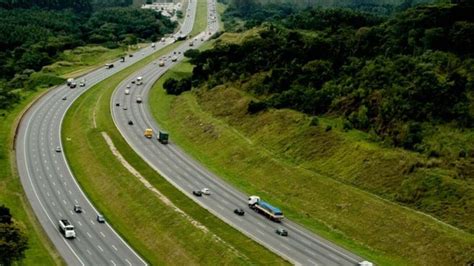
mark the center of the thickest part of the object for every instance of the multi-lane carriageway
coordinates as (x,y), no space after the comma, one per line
(53,191)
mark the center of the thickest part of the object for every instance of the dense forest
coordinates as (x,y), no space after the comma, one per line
(389,76)
(34,33)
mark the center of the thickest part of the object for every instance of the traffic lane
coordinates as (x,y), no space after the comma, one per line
(221,203)
(88,226)
(191,178)
(323,247)
(225,207)
(44,140)
(53,174)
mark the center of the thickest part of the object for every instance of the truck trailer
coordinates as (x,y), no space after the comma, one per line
(163,137)
(66,228)
(264,208)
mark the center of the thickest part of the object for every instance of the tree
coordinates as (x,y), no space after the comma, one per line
(13,241)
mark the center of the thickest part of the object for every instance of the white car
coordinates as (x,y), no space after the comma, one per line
(206,191)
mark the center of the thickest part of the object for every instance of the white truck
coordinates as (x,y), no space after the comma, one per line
(139,80)
(264,208)
(69,81)
(67,229)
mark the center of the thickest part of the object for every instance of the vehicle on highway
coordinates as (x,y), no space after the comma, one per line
(64,98)
(206,191)
(139,80)
(109,66)
(239,211)
(117,104)
(82,84)
(69,81)
(153,45)
(127,92)
(139,99)
(58,149)
(73,85)
(122,59)
(148,133)
(66,228)
(197,193)
(77,208)
(161,63)
(130,122)
(260,206)
(174,58)
(128,86)
(281,231)
(163,137)
(100,218)
(130,55)
(163,39)
(125,108)
(191,43)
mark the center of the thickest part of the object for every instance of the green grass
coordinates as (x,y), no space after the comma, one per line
(82,59)
(157,232)
(267,154)
(40,251)
(200,22)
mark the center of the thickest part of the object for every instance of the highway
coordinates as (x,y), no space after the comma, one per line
(300,247)
(49,183)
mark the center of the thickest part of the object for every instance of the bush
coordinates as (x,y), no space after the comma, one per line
(255,107)
(314,121)
(176,87)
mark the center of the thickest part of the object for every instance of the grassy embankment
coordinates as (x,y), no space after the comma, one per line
(40,251)
(279,156)
(156,231)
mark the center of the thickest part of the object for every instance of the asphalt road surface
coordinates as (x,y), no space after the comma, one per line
(300,247)
(49,184)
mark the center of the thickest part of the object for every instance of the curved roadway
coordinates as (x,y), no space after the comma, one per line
(300,247)
(48,181)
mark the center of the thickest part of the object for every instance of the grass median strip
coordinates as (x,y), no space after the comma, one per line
(155,230)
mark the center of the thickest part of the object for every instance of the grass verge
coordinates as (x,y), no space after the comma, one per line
(40,250)
(156,231)
(255,154)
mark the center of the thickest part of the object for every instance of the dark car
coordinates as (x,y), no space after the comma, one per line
(239,212)
(197,193)
(117,104)
(130,122)
(281,232)
(130,55)
(100,218)
(77,208)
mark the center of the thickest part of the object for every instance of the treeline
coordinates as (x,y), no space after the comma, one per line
(385,77)
(254,12)
(34,37)
(76,5)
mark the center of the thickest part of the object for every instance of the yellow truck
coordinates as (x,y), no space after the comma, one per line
(148,133)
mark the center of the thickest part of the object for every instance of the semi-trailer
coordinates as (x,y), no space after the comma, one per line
(265,208)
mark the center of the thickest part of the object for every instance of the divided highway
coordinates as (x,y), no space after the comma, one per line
(300,247)
(48,181)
